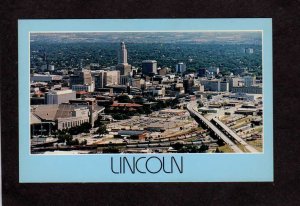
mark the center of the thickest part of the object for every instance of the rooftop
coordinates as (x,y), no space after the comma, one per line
(149,61)
(115,104)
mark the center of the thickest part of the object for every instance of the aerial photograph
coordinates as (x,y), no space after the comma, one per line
(146,92)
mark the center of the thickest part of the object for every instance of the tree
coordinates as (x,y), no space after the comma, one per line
(220,142)
(111,149)
(203,148)
(64,138)
(218,151)
(97,123)
(200,103)
(84,142)
(83,128)
(120,116)
(147,110)
(101,130)
(177,146)
(124,99)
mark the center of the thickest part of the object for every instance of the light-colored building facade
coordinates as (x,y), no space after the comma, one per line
(60,96)
(107,78)
(79,116)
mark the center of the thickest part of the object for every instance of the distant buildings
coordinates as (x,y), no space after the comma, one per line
(51,67)
(214,70)
(149,67)
(93,66)
(240,71)
(235,82)
(45,78)
(180,67)
(224,86)
(249,50)
(211,85)
(215,85)
(82,87)
(138,83)
(59,96)
(83,77)
(156,91)
(249,81)
(250,90)
(163,71)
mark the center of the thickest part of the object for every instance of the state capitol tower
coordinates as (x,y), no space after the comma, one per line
(123,66)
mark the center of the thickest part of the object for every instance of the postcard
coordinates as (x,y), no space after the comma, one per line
(145,100)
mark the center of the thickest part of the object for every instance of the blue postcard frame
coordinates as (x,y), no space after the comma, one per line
(96,168)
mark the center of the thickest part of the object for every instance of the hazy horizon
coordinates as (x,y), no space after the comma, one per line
(228,37)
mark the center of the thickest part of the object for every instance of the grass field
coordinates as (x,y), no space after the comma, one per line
(225,149)
(257,144)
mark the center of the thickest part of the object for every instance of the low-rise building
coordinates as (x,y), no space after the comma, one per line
(250,90)
(59,96)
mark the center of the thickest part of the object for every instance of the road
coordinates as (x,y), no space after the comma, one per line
(235,136)
(191,108)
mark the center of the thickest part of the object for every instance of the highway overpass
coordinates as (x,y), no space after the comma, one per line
(234,135)
(191,108)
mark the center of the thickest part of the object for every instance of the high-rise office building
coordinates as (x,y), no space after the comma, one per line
(180,67)
(84,77)
(188,84)
(149,67)
(107,78)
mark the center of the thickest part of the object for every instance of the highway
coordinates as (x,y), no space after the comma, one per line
(235,136)
(191,108)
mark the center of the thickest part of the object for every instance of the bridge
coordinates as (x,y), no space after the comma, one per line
(234,135)
(217,132)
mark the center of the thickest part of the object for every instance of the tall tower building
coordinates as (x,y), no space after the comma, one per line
(123,66)
(122,54)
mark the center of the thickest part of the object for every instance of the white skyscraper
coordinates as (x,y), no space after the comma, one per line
(122,54)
